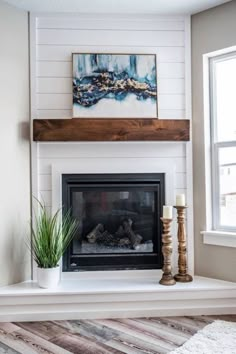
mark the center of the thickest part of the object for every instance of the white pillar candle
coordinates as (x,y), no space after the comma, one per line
(180,200)
(167,212)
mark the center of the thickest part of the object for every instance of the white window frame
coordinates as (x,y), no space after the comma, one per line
(216,145)
(215,233)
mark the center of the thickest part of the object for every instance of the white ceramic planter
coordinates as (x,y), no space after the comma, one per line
(48,277)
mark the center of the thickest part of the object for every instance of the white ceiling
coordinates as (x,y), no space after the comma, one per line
(159,7)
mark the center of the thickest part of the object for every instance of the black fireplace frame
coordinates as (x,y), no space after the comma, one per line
(118,261)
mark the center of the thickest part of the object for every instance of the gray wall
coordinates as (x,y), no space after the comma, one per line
(14,145)
(211,30)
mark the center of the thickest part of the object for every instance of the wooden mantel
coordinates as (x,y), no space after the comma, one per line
(111,129)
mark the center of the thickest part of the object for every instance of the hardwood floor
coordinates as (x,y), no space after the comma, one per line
(131,336)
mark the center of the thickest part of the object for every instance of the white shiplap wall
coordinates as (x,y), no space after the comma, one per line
(55,37)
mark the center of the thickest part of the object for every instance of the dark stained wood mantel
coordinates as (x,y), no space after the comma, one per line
(111,129)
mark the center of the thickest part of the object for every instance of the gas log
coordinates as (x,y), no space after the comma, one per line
(134,238)
(124,236)
(95,233)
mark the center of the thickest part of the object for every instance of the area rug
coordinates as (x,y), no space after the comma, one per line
(218,337)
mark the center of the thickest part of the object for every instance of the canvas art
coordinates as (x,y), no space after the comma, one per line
(114,85)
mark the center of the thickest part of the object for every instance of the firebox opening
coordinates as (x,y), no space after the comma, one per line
(119,221)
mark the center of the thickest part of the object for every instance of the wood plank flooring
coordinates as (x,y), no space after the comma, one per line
(131,336)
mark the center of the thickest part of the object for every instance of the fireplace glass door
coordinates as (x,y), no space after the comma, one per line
(119,221)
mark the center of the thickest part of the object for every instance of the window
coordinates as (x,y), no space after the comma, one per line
(223,140)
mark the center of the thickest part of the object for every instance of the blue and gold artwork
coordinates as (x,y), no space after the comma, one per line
(114,85)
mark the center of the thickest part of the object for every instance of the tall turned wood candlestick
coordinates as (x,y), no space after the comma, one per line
(167,277)
(182,275)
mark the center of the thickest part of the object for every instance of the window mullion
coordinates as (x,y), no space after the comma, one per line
(222,144)
(215,187)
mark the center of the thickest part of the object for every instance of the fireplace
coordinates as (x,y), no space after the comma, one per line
(119,220)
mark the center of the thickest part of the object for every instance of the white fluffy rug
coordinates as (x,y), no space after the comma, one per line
(218,337)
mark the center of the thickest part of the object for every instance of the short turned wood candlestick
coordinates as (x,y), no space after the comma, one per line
(182,275)
(167,277)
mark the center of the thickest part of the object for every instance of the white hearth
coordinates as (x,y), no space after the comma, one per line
(96,295)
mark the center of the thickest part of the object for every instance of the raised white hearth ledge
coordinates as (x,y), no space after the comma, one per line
(91,298)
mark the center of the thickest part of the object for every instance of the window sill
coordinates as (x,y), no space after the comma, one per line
(219,238)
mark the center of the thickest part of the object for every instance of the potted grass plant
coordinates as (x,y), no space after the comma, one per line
(51,235)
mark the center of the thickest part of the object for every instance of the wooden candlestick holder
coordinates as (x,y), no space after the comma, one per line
(167,277)
(182,275)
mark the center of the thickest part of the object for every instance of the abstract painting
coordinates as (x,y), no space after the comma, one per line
(114,85)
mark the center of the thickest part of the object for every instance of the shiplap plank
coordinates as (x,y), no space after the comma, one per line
(67,113)
(64,101)
(45,165)
(106,37)
(64,85)
(59,69)
(180,180)
(110,23)
(45,197)
(54,85)
(171,113)
(63,52)
(171,86)
(54,101)
(54,69)
(45,181)
(170,71)
(54,113)
(112,149)
(171,101)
